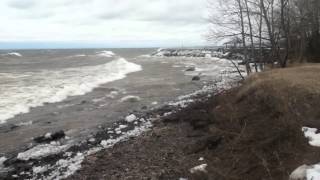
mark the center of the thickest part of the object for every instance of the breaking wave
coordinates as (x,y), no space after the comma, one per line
(16,54)
(20,92)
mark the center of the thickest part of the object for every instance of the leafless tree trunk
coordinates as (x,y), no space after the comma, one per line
(285,32)
(270,29)
(251,35)
(244,37)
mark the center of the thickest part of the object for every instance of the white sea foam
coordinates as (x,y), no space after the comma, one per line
(32,89)
(28,123)
(106,53)
(14,54)
(79,55)
(130,98)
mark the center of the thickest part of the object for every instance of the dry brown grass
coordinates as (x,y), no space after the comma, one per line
(267,113)
(293,90)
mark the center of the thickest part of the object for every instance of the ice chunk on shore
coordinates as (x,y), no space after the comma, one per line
(123,126)
(41,151)
(66,167)
(47,135)
(310,133)
(2,160)
(131,118)
(40,169)
(109,143)
(200,168)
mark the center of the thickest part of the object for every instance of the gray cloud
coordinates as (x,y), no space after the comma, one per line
(104,20)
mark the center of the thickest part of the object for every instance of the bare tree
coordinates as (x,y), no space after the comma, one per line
(284,30)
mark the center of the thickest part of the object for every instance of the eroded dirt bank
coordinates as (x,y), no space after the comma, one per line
(249,132)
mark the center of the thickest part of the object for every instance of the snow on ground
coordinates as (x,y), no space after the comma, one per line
(200,168)
(312,135)
(314,172)
(308,172)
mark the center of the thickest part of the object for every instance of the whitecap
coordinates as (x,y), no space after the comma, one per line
(106,53)
(14,54)
(37,88)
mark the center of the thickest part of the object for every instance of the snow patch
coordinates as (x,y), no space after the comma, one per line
(306,172)
(200,168)
(313,173)
(310,133)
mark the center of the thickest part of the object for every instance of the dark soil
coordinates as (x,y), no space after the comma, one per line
(251,132)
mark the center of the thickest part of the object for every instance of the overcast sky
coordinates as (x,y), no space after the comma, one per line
(118,23)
